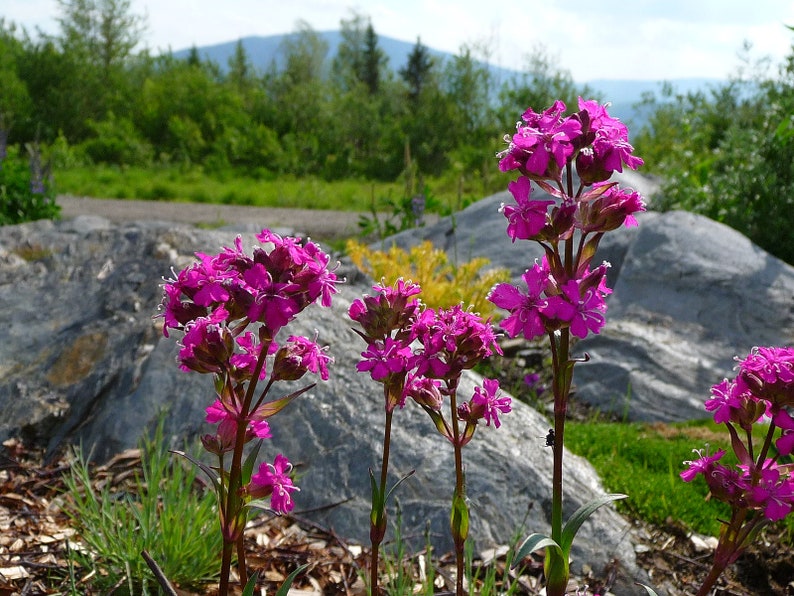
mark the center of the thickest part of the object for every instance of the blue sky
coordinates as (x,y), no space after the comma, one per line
(609,39)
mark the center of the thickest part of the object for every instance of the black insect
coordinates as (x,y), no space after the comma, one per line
(550,438)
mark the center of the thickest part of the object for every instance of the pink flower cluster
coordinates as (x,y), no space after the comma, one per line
(420,353)
(548,305)
(762,389)
(230,307)
(544,143)
(562,291)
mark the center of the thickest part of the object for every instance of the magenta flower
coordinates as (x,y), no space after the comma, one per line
(542,145)
(785,443)
(485,403)
(384,358)
(424,391)
(773,493)
(297,356)
(769,375)
(583,309)
(703,465)
(527,310)
(610,210)
(390,313)
(452,340)
(207,344)
(274,480)
(610,147)
(527,218)
(227,421)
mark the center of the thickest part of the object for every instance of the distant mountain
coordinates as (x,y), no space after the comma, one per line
(622,94)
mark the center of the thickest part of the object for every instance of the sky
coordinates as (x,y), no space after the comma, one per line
(609,39)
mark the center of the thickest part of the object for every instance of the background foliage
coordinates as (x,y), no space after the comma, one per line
(726,152)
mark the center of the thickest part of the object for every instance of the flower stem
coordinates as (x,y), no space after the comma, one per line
(378,516)
(562,369)
(459,498)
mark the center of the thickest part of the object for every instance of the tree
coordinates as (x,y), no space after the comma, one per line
(417,70)
(241,71)
(359,60)
(374,61)
(729,154)
(102,33)
(15,103)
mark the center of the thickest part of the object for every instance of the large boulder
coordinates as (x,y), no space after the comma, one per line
(689,295)
(85,362)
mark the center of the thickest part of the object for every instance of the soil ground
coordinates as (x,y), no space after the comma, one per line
(320,225)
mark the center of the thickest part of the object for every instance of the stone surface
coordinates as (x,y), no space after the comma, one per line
(689,295)
(84,362)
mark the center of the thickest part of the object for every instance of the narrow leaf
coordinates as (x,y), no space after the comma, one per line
(398,483)
(251,585)
(250,461)
(580,515)
(532,543)
(270,408)
(650,590)
(284,589)
(213,477)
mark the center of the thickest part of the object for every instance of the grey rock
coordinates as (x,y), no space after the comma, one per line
(689,295)
(84,362)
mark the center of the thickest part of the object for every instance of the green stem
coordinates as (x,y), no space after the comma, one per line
(233,514)
(378,518)
(460,486)
(562,369)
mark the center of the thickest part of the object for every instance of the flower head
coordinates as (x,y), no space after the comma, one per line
(703,465)
(274,480)
(542,144)
(527,217)
(297,356)
(486,403)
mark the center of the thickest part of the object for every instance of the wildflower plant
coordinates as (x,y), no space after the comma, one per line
(572,158)
(420,353)
(231,307)
(760,489)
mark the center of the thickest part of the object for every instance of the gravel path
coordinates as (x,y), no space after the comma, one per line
(321,225)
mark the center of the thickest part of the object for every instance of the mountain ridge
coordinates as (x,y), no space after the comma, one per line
(264,53)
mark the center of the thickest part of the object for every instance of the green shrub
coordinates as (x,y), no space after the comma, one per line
(117,142)
(26,192)
(444,284)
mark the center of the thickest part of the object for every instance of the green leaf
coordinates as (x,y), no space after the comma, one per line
(396,484)
(580,515)
(250,461)
(251,585)
(532,543)
(213,477)
(459,518)
(378,501)
(284,589)
(268,409)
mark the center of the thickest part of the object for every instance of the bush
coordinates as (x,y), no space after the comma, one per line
(26,192)
(444,284)
(117,142)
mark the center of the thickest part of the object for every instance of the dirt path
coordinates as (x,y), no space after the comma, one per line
(304,222)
